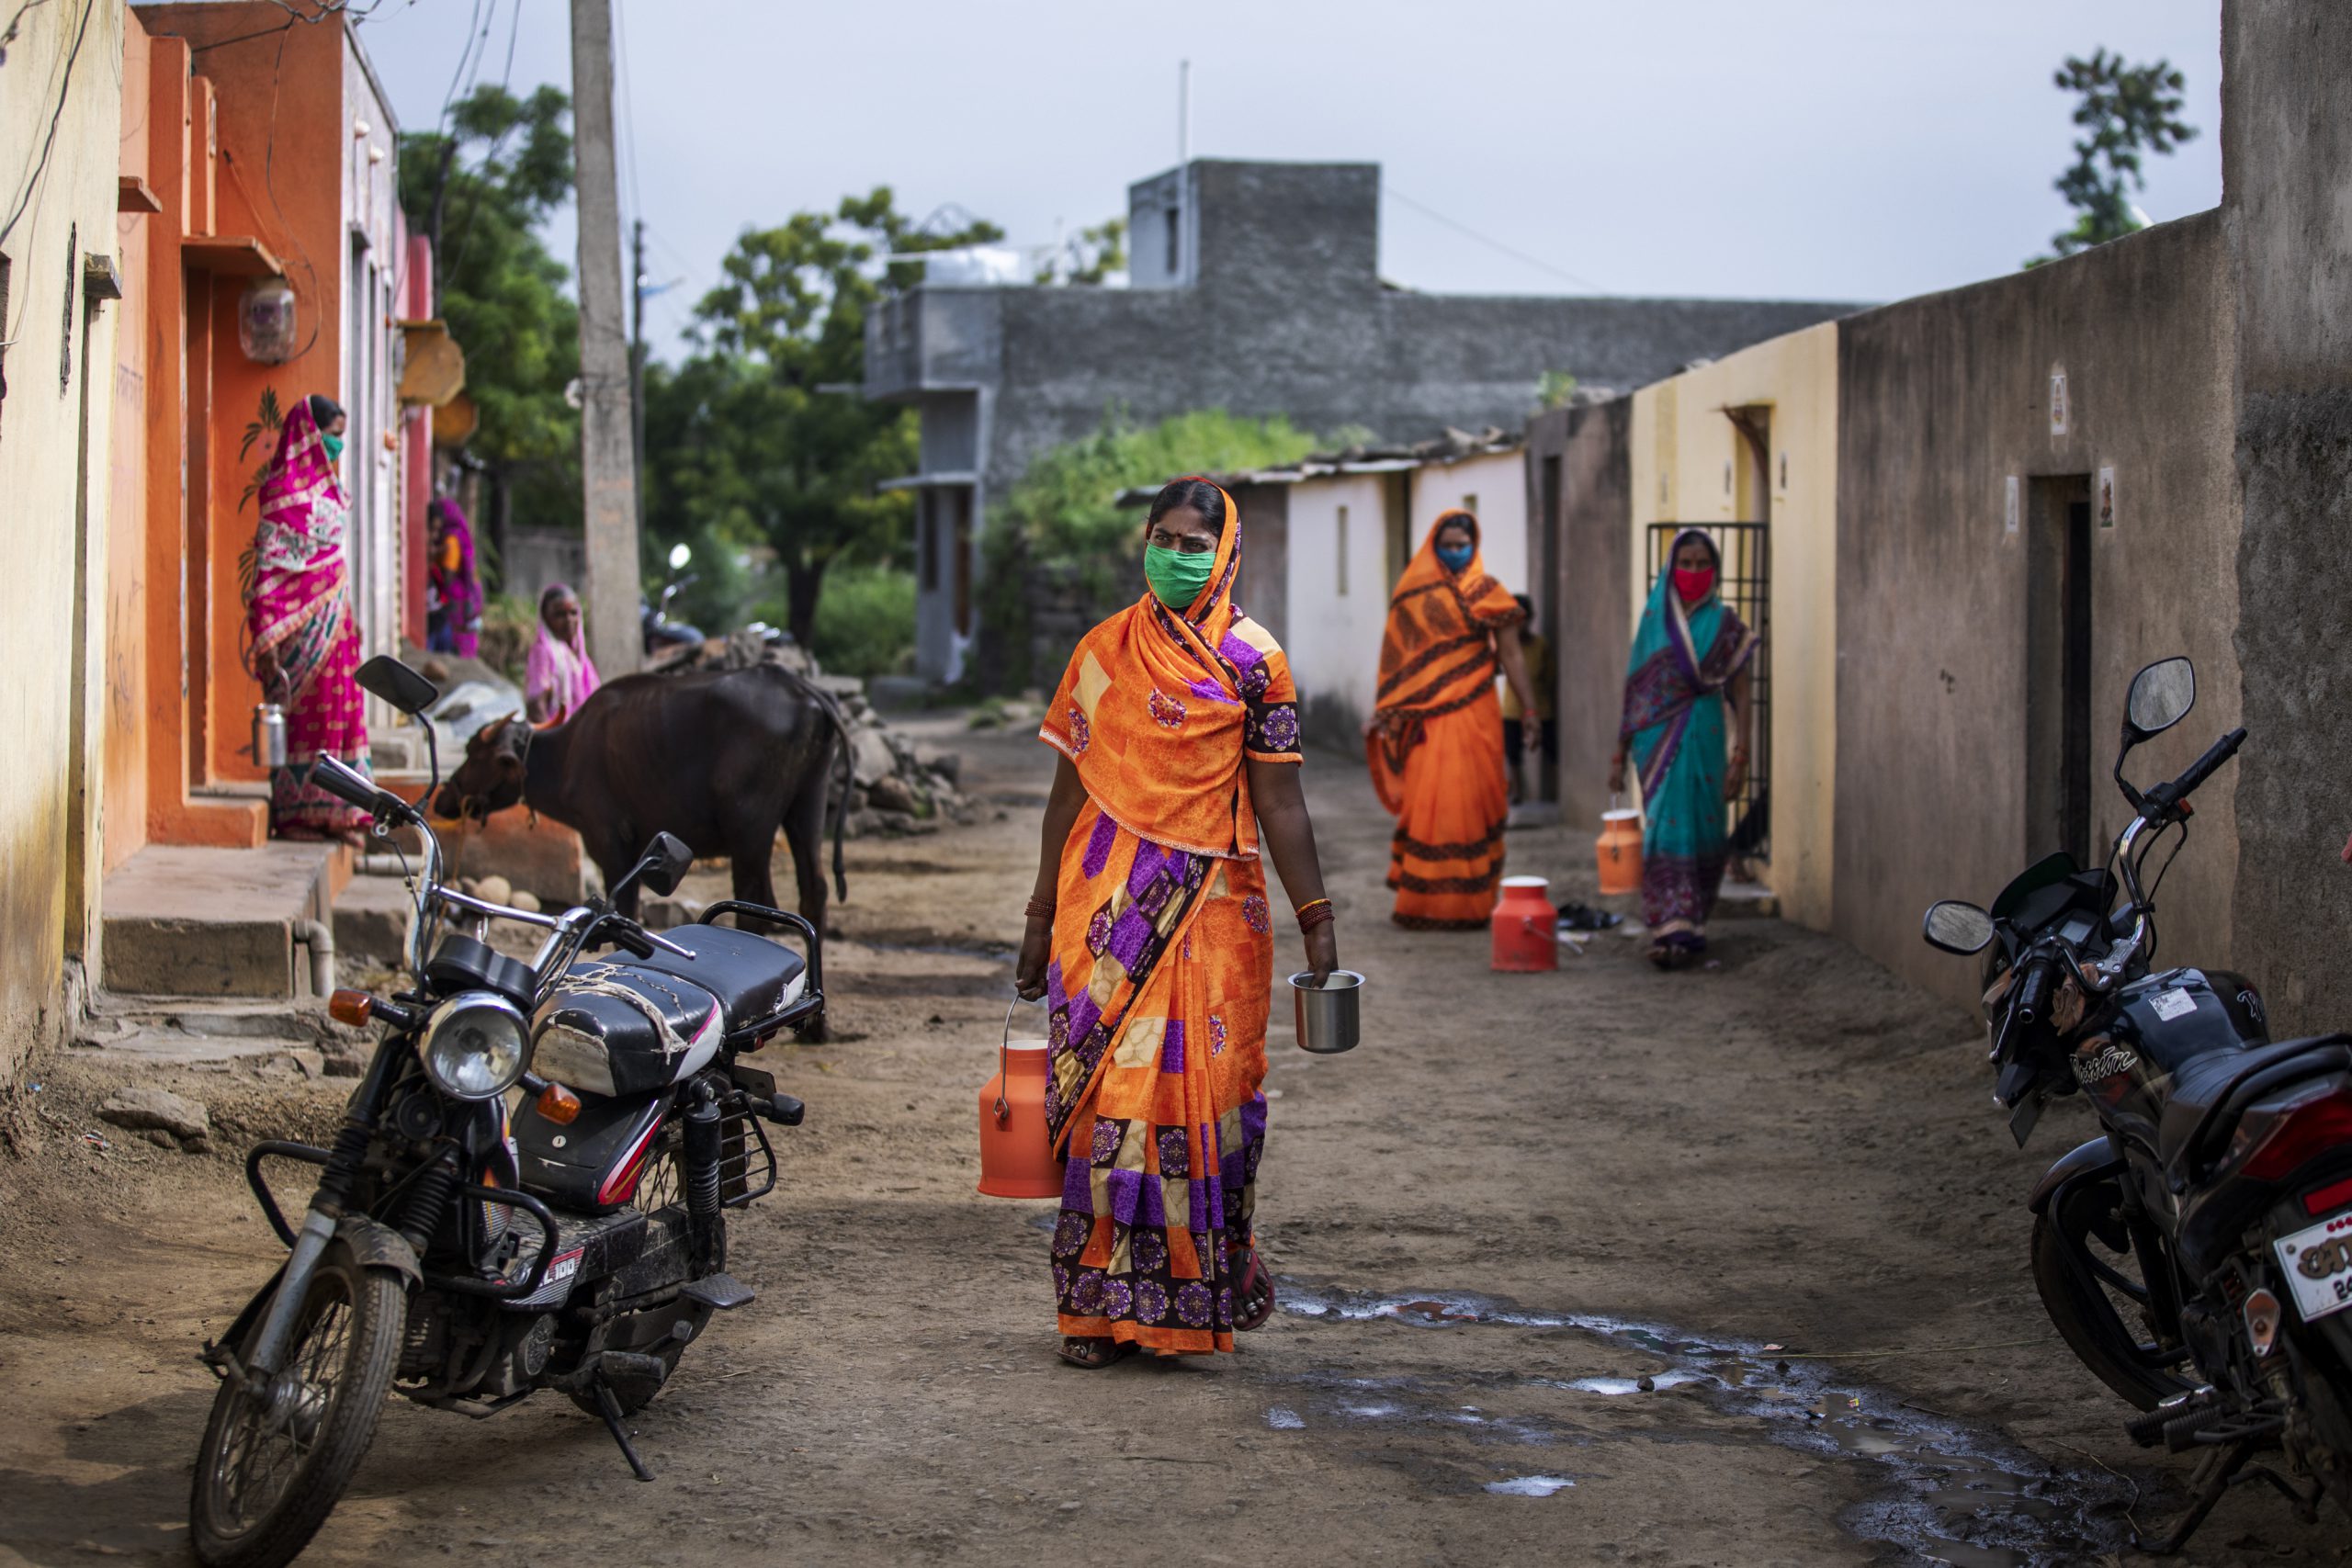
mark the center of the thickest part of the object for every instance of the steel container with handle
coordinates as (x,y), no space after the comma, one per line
(1328,1020)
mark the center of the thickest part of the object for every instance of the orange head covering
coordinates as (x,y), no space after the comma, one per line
(1154,710)
(1438,653)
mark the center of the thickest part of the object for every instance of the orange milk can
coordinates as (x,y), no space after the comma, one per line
(1526,928)
(1016,1157)
(1619,849)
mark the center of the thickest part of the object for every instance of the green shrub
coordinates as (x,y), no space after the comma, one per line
(1060,524)
(865,621)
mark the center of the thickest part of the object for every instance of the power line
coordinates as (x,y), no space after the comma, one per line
(64,91)
(628,108)
(1428,212)
(450,97)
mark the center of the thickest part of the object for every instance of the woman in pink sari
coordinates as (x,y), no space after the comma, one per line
(559,675)
(298,622)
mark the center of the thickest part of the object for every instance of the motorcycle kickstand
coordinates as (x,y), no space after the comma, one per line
(610,1408)
(2220,1473)
(2304,1502)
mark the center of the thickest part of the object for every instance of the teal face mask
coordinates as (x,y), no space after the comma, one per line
(1455,556)
(333,444)
(1177,576)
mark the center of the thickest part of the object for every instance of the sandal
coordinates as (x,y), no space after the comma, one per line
(1093,1352)
(1253,1294)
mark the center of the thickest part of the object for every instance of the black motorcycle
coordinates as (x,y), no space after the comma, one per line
(2197,1255)
(529,1189)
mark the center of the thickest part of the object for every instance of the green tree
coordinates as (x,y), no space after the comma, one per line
(480,193)
(2124,109)
(754,439)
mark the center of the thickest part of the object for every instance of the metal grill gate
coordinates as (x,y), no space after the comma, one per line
(1746,549)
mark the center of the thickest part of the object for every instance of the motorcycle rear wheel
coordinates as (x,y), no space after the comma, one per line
(2088,1316)
(269,1473)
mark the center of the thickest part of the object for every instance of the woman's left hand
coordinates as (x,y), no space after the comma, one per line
(1322,953)
(1735,776)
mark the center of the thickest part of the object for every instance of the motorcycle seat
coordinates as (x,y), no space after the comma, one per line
(616,1029)
(754,979)
(2209,1094)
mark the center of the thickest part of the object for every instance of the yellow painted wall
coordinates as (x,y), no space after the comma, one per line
(51,639)
(1687,464)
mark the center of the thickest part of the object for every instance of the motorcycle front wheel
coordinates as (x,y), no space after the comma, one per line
(2093,1293)
(274,1462)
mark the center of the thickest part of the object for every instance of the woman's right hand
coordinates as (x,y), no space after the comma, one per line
(272,679)
(1037,948)
(1617,775)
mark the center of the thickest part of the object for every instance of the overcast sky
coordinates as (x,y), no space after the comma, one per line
(1858,150)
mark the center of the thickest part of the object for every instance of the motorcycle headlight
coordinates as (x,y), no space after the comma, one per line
(475,1045)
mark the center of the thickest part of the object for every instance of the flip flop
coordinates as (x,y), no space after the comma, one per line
(1253,1294)
(1093,1352)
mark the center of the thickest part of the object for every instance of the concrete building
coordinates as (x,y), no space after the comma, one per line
(1747,447)
(1579,482)
(199,149)
(1255,287)
(2035,498)
(2286,155)
(61,276)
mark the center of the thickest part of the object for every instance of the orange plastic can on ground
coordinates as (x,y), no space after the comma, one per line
(1619,849)
(1526,928)
(1016,1157)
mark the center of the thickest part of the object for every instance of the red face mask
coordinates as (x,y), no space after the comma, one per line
(1694,584)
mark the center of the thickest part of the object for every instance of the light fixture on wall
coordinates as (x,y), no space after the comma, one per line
(266,328)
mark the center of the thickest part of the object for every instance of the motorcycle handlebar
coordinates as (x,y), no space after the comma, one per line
(2221,752)
(2034,987)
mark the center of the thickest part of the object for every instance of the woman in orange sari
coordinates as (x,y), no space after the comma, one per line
(1150,938)
(1436,735)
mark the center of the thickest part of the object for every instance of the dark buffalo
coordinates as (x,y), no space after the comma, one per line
(721,757)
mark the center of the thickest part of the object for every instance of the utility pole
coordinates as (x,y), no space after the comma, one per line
(1183,112)
(607,449)
(637,358)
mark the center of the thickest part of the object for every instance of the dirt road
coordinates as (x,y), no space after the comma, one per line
(1773,1189)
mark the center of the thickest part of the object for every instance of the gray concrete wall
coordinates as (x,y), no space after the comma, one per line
(1276,308)
(1940,400)
(2286,147)
(1595,563)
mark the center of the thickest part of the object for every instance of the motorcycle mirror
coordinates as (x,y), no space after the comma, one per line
(680,554)
(661,868)
(396,684)
(2161,696)
(1957,927)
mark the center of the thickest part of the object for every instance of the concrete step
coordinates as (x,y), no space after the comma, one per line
(214,1033)
(371,919)
(184,921)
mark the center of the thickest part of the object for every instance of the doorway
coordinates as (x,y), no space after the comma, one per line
(2058,667)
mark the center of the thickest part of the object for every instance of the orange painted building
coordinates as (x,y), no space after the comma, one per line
(270,154)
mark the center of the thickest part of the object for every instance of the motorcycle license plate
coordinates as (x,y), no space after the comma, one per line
(2317,1261)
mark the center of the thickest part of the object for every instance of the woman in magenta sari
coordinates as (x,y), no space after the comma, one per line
(298,622)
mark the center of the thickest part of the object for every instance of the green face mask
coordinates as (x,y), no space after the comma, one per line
(333,444)
(1177,576)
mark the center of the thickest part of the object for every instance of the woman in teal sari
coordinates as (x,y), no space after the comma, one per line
(1686,693)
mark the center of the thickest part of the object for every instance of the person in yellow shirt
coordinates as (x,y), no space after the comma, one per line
(1544,678)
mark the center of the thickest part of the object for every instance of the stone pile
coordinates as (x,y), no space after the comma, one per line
(896,787)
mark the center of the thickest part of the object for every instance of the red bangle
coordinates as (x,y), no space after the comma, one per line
(1040,910)
(1318,913)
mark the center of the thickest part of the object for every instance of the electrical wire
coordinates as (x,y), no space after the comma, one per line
(505,86)
(40,166)
(458,76)
(628,110)
(1428,212)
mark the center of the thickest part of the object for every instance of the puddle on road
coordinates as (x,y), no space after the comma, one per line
(1951,1492)
(1530,1486)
